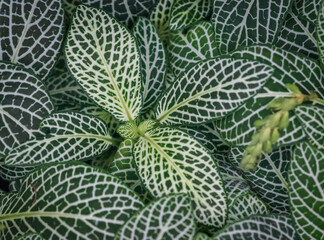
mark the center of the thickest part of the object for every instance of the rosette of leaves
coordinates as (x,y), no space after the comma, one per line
(107,62)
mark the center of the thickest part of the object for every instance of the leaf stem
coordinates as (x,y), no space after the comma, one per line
(283,181)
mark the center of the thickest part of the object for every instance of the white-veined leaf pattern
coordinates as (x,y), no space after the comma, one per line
(320,32)
(308,8)
(110,70)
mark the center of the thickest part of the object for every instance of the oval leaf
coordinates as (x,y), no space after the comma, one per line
(211,89)
(102,56)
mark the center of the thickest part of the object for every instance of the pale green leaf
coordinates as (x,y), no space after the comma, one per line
(306,197)
(31,33)
(24,102)
(189,47)
(308,8)
(68,201)
(153,59)
(244,23)
(184,13)
(312,119)
(209,90)
(170,161)
(168,218)
(71,136)
(265,227)
(102,56)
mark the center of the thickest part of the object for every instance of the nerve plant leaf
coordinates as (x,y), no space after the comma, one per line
(312,119)
(244,23)
(103,57)
(192,46)
(12,173)
(211,89)
(259,227)
(185,13)
(153,59)
(320,32)
(68,201)
(31,33)
(170,161)
(30,236)
(308,9)
(306,184)
(167,218)
(70,136)
(23,104)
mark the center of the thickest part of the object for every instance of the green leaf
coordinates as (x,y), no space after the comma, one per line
(167,218)
(184,13)
(153,59)
(187,48)
(31,33)
(102,56)
(23,104)
(234,187)
(268,180)
(210,89)
(308,8)
(246,205)
(30,236)
(124,168)
(72,201)
(320,32)
(244,23)
(265,227)
(306,197)
(201,236)
(11,173)
(2,193)
(170,161)
(71,136)
(298,35)
(312,119)
(237,128)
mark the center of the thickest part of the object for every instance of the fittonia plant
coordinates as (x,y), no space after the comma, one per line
(162,110)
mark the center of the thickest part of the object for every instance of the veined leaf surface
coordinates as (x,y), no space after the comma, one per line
(103,57)
(24,102)
(184,13)
(153,58)
(68,201)
(312,118)
(244,23)
(210,89)
(306,197)
(320,32)
(265,227)
(71,136)
(12,173)
(30,236)
(237,128)
(188,48)
(31,33)
(170,161)
(168,218)
(308,8)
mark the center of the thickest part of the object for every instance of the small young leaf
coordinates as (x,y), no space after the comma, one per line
(167,218)
(78,201)
(105,61)
(211,89)
(312,119)
(31,33)
(306,184)
(170,161)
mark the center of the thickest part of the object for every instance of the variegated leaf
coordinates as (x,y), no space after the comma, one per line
(237,128)
(320,32)
(269,179)
(31,33)
(189,47)
(68,201)
(23,104)
(105,159)
(168,218)
(308,8)
(244,23)
(30,236)
(153,59)
(246,205)
(2,193)
(211,89)
(201,236)
(102,56)
(70,136)
(298,35)
(10,173)
(69,7)
(185,13)
(312,119)
(169,78)
(170,161)
(234,187)
(306,197)
(265,227)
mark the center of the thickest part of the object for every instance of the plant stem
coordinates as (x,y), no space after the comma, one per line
(319,101)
